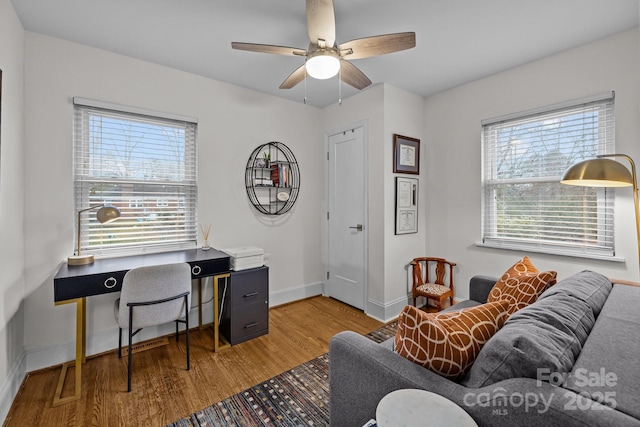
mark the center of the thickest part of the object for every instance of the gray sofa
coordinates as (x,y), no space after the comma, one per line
(569,359)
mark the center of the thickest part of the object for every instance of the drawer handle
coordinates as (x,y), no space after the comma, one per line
(251,325)
(196,270)
(252,294)
(110,282)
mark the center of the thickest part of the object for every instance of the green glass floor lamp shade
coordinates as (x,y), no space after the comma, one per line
(105,215)
(604,172)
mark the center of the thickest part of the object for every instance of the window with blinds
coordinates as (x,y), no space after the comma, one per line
(524,157)
(142,164)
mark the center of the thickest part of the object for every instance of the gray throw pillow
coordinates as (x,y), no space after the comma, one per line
(546,334)
(588,286)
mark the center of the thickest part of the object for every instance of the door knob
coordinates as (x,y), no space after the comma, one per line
(357,227)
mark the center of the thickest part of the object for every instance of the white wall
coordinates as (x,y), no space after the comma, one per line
(368,107)
(231,122)
(37,171)
(403,116)
(12,366)
(452,131)
(386,110)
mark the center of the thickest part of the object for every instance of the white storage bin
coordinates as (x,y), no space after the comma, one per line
(243,258)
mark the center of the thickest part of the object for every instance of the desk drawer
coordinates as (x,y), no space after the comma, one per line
(85,286)
(248,322)
(208,267)
(245,307)
(249,287)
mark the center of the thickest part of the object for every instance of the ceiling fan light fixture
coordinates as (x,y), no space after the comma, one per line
(323,64)
(325,58)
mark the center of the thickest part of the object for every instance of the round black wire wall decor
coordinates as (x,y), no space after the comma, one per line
(272,178)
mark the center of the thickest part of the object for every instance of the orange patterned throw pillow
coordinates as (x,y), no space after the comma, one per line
(447,343)
(521,285)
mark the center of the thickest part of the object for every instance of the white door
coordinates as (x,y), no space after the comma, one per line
(347,216)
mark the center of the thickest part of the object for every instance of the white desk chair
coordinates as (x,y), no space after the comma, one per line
(159,294)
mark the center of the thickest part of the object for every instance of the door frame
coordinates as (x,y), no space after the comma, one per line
(364,124)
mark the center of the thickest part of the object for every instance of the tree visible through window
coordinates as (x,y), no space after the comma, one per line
(524,157)
(143,165)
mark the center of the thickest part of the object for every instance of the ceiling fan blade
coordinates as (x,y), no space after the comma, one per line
(377,45)
(294,78)
(267,48)
(351,75)
(321,22)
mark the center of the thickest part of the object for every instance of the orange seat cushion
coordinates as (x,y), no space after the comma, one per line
(521,285)
(447,343)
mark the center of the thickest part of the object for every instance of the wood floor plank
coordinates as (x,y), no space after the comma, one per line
(164,391)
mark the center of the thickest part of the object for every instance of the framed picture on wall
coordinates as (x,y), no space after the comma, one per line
(406,205)
(406,154)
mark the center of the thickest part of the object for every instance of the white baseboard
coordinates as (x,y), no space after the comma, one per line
(295,294)
(100,342)
(12,385)
(386,312)
(390,311)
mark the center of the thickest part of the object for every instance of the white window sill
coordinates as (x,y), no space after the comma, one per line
(551,252)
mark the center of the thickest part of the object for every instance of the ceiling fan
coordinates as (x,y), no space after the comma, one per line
(324,59)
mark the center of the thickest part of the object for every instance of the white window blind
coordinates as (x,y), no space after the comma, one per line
(524,156)
(141,164)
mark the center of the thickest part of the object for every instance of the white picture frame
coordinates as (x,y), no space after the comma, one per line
(406,205)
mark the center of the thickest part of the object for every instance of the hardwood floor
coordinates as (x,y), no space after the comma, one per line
(164,391)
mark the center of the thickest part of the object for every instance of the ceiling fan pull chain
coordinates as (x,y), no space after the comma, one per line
(340,87)
(305,85)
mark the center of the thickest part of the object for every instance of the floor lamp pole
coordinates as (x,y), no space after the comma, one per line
(635,196)
(635,203)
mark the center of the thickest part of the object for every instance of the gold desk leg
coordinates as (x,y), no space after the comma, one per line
(199,303)
(81,354)
(216,321)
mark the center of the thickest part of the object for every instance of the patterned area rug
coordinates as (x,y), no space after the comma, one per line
(298,397)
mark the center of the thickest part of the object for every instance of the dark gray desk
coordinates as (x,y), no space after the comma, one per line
(72,284)
(105,275)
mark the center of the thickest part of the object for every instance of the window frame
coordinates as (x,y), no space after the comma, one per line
(604,198)
(180,232)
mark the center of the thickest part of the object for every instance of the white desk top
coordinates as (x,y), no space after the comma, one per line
(412,407)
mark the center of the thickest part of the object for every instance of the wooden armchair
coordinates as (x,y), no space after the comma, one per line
(437,289)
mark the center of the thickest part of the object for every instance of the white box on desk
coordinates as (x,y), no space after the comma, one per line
(243,251)
(245,257)
(245,263)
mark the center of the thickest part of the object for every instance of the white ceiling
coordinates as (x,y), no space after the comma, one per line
(457,41)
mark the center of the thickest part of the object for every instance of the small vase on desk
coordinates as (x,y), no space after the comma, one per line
(205,235)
